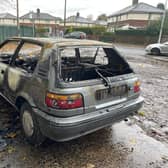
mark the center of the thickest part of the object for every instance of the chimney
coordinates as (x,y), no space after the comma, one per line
(78,14)
(134,2)
(38,12)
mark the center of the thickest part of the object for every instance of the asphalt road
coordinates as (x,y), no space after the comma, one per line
(131,50)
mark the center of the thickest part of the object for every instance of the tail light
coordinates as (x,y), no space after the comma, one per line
(137,86)
(57,101)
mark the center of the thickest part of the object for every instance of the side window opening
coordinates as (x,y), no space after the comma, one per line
(28,57)
(7,51)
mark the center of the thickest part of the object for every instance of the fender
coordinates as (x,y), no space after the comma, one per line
(26,97)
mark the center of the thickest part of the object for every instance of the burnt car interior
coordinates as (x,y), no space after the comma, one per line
(79,64)
(7,51)
(28,57)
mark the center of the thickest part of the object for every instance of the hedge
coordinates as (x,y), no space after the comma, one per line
(99,30)
(150,31)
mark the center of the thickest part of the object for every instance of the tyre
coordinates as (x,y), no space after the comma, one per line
(30,126)
(155,51)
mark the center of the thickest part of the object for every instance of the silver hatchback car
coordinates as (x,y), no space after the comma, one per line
(66,88)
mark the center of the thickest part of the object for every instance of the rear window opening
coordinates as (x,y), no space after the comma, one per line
(87,63)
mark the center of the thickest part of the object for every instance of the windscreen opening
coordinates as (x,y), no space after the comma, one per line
(87,63)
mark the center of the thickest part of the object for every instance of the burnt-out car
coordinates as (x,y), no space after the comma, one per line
(66,88)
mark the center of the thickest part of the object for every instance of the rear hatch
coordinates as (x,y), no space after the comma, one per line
(120,90)
(98,75)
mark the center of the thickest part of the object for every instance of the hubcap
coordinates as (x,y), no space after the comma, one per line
(27,122)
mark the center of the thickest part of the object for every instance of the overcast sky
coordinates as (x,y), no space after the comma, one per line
(85,7)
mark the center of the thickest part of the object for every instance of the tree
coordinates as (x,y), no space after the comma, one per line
(154,27)
(161,6)
(102,17)
(90,17)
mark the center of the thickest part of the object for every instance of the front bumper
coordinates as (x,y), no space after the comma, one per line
(64,129)
(148,50)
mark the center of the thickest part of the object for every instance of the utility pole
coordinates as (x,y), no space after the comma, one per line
(18,24)
(31,16)
(65,13)
(162,23)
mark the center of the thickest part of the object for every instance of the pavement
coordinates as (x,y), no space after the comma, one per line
(145,152)
(124,145)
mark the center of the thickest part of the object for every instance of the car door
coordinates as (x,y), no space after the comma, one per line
(166,47)
(7,51)
(19,74)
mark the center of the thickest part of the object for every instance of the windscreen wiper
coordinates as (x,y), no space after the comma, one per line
(106,80)
(95,55)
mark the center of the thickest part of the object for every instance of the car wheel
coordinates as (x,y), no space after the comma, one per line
(155,51)
(30,126)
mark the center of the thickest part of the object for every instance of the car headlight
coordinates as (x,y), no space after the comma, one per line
(148,48)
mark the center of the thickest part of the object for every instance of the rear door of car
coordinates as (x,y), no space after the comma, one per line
(7,52)
(18,75)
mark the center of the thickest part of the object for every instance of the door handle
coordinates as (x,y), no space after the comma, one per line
(2,71)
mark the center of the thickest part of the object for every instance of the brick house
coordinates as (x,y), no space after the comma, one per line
(41,20)
(138,15)
(78,21)
(7,19)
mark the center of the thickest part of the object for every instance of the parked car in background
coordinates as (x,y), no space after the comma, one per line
(76,35)
(66,88)
(157,48)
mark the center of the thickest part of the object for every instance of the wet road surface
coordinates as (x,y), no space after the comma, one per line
(122,146)
(131,50)
(140,142)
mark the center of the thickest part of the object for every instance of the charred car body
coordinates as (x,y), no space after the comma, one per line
(66,88)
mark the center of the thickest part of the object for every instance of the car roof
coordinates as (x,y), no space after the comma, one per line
(62,42)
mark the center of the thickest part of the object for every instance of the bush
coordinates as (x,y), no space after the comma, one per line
(42,32)
(131,32)
(88,30)
(153,28)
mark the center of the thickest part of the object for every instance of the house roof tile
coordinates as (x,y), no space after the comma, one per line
(7,16)
(138,8)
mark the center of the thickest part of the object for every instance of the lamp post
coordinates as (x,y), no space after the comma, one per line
(65,14)
(162,23)
(33,22)
(17,11)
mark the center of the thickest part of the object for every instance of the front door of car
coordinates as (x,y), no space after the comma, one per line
(7,51)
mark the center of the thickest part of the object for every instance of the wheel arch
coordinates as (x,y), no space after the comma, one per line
(158,48)
(23,98)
